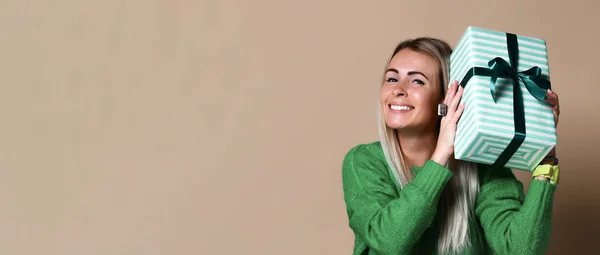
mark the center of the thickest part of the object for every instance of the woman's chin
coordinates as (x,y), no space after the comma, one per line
(396,126)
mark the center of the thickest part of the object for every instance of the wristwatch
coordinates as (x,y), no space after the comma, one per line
(551,172)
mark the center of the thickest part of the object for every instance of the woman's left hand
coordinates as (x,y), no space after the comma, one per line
(552,99)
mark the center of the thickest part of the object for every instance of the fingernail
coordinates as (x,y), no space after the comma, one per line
(451,83)
(550,91)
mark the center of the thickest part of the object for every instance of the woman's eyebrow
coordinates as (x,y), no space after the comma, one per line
(417,72)
(392,70)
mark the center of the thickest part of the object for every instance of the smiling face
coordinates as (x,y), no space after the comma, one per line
(411,92)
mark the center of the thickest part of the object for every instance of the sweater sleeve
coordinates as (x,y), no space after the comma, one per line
(388,222)
(514,223)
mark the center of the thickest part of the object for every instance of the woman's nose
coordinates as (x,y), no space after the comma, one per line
(399,92)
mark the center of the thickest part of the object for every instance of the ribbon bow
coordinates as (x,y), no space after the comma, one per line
(532,78)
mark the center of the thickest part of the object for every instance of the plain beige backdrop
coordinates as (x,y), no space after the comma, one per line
(194,127)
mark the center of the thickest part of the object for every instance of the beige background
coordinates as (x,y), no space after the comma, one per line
(193,127)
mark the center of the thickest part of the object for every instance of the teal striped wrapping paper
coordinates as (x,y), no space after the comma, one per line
(487,127)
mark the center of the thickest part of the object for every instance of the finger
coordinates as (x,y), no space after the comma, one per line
(552,103)
(450,92)
(551,98)
(556,110)
(557,105)
(458,113)
(556,116)
(553,94)
(454,102)
(456,99)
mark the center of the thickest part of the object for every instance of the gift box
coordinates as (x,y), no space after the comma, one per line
(506,121)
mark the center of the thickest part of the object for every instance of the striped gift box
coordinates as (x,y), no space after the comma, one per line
(487,126)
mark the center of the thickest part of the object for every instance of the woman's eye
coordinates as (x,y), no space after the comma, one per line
(391,79)
(420,82)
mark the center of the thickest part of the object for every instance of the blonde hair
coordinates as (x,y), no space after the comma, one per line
(457,201)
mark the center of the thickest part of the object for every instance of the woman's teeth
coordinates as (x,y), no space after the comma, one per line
(401,107)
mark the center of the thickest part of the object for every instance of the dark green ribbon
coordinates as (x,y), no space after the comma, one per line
(533,80)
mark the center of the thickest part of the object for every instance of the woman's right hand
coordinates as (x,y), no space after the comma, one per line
(445,144)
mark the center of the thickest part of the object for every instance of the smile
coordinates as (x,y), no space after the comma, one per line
(401,107)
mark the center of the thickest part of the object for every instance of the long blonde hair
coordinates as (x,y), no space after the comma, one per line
(458,199)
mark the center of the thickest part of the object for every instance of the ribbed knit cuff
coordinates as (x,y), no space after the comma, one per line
(432,178)
(542,192)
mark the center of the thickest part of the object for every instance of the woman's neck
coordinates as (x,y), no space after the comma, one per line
(417,148)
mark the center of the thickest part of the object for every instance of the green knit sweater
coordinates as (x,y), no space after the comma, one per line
(389,220)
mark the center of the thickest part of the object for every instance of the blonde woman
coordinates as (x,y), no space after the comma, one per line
(406,194)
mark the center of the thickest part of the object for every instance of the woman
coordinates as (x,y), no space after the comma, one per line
(406,194)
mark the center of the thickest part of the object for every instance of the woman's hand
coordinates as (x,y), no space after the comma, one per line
(552,99)
(445,144)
